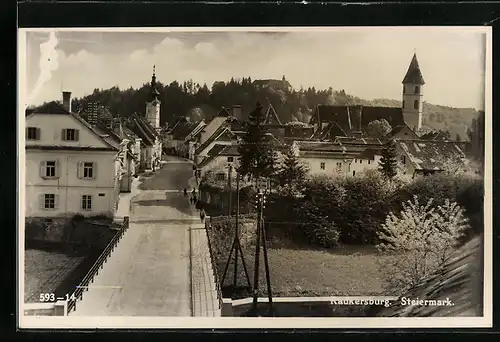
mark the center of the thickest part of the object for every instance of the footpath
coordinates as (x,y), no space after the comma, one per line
(205,302)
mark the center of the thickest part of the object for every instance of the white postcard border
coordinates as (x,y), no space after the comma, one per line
(69,322)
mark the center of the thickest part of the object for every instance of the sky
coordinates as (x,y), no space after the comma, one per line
(369,63)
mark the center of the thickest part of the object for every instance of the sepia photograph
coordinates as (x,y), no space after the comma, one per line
(206,177)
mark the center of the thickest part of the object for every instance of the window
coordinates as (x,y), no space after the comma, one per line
(32,133)
(369,161)
(87,202)
(415,104)
(86,170)
(230,159)
(403,159)
(403,103)
(361,161)
(339,166)
(49,201)
(417,89)
(50,169)
(70,134)
(322,165)
(354,173)
(220,176)
(404,90)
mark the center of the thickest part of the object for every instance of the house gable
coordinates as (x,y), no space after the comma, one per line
(51,131)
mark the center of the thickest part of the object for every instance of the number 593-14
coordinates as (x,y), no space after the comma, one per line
(47,297)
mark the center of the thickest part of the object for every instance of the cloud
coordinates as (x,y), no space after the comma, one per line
(369,64)
(48,63)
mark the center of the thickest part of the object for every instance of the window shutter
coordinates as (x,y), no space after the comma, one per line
(56,201)
(76,134)
(63,135)
(43,166)
(94,170)
(38,134)
(79,169)
(57,173)
(26,133)
(41,200)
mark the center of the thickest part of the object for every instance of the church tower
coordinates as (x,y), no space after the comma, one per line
(413,98)
(153,105)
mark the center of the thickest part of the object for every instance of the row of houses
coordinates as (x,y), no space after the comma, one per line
(74,166)
(332,143)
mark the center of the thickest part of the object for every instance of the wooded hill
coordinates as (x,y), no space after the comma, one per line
(199,101)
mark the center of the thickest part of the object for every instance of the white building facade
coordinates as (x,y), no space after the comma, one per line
(70,168)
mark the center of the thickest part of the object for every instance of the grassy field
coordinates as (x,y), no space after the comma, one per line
(352,271)
(45,271)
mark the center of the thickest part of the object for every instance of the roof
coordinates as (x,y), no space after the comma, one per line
(68,148)
(414,75)
(104,113)
(199,127)
(298,132)
(222,132)
(177,122)
(235,125)
(330,131)
(137,125)
(212,154)
(54,107)
(111,137)
(219,150)
(438,136)
(271,118)
(29,111)
(346,147)
(223,113)
(460,279)
(398,129)
(147,126)
(182,130)
(432,155)
(355,118)
(227,131)
(230,151)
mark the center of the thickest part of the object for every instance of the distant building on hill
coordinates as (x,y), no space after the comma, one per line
(282,84)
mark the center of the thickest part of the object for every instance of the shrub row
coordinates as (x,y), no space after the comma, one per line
(351,210)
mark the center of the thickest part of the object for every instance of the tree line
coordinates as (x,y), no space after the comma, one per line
(199,101)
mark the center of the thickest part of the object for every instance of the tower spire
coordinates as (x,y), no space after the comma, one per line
(153,79)
(414,75)
(154,92)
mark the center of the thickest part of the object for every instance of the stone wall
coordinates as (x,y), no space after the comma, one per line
(92,232)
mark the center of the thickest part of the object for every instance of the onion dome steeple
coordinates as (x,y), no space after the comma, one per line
(154,91)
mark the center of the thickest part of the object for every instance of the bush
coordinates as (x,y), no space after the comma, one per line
(319,209)
(467,191)
(419,239)
(364,208)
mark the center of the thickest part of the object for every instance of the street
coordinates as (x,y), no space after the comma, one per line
(148,274)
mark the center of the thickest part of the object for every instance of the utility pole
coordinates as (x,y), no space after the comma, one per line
(229,174)
(261,239)
(236,247)
(237,230)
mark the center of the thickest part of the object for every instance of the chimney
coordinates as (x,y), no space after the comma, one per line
(67,100)
(237,111)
